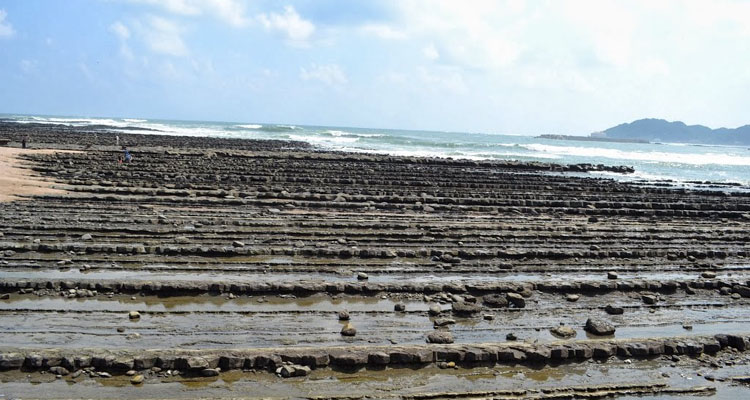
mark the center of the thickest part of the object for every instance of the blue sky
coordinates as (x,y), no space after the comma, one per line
(482,66)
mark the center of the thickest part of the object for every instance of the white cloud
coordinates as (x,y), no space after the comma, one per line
(230,11)
(290,24)
(383,31)
(120,30)
(6,29)
(330,74)
(431,52)
(164,36)
(123,34)
(443,79)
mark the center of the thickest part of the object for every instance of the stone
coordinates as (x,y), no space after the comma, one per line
(495,301)
(362,276)
(434,310)
(443,322)
(516,300)
(563,331)
(614,310)
(708,274)
(208,372)
(611,275)
(599,327)
(465,309)
(134,315)
(440,337)
(344,315)
(649,299)
(86,236)
(136,380)
(237,243)
(348,330)
(196,363)
(511,337)
(59,371)
(572,297)
(5,296)
(399,307)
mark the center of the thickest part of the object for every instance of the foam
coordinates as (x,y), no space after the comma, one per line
(648,156)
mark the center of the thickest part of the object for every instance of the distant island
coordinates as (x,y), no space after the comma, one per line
(659,130)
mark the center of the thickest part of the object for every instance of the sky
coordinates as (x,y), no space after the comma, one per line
(515,67)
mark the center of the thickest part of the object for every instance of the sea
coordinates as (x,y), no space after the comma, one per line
(676,164)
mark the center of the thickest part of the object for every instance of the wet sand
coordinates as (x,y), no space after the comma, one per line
(239,255)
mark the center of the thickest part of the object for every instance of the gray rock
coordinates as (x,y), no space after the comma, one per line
(443,322)
(572,297)
(344,315)
(440,337)
(599,327)
(563,331)
(465,309)
(362,276)
(209,372)
(611,275)
(400,307)
(516,300)
(649,299)
(86,236)
(614,310)
(495,301)
(134,315)
(434,310)
(348,330)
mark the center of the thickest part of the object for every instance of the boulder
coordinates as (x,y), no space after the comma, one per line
(434,310)
(649,299)
(465,309)
(495,301)
(207,372)
(440,337)
(443,322)
(611,275)
(134,315)
(563,331)
(136,380)
(572,297)
(343,315)
(599,327)
(516,300)
(614,310)
(348,330)
(399,307)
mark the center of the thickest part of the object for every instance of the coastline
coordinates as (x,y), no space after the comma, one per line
(231,250)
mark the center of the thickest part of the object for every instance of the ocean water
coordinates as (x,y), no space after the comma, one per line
(675,163)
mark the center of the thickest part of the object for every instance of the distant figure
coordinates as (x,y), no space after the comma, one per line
(127,156)
(117,140)
(24,140)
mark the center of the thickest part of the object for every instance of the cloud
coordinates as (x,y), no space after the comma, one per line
(6,29)
(120,30)
(383,31)
(289,24)
(330,74)
(164,36)
(229,11)
(431,52)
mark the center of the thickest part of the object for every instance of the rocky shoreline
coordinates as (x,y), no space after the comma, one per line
(214,259)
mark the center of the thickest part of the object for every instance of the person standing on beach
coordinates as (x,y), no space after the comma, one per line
(24,140)
(127,156)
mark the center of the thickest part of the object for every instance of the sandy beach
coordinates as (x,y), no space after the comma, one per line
(222,267)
